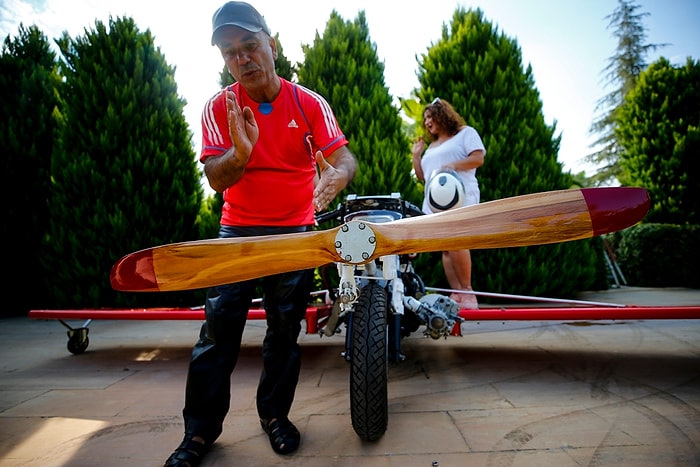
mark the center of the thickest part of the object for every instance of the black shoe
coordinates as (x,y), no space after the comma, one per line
(284,436)
(189,453)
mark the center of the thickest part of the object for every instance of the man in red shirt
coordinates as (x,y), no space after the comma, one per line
(265,142)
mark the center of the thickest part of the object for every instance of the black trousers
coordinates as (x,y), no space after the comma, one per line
(214,356)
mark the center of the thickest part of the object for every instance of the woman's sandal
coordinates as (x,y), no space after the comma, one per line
(188,454)
(284,436)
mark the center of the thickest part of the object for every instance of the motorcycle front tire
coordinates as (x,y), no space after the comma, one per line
(369,364)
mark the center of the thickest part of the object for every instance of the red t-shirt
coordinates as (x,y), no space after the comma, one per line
(277,186)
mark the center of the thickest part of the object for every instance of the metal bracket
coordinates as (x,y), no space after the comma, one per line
(347,289)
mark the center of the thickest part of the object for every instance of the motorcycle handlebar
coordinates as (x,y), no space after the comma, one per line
(410,210)
(329,215)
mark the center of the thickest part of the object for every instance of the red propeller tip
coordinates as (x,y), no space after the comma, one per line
(135,273)
(615,208)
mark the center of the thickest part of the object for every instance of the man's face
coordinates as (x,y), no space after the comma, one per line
(250,57)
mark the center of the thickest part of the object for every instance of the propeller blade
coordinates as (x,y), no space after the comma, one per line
(535,219)
(205,263)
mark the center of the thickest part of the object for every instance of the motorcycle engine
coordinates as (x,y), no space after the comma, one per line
(438,312)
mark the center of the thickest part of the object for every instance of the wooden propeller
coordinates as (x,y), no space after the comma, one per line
(535,219)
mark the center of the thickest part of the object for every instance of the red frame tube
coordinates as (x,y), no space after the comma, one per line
(483,314)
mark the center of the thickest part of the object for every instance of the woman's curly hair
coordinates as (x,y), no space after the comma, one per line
(447,118)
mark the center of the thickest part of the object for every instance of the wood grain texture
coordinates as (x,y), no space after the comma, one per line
(219,261)
(535,219)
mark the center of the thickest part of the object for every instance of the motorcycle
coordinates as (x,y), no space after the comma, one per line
(379,303)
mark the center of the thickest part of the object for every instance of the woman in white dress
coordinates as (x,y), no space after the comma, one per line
(454,146)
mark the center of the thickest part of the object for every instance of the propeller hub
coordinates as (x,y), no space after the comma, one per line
(355,242)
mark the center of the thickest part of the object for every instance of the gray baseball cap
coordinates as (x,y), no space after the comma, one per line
(240,14)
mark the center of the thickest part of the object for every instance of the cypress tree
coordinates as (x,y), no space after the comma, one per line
(658,129)
(479,71)
(124,170)
(283,66)
(342,65)
(621,72)
(29,85)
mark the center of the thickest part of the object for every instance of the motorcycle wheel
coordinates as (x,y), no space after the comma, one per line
(369,364)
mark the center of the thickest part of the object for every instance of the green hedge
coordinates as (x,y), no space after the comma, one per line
(659,255)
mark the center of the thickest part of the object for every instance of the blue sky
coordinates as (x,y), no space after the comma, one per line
(566,42)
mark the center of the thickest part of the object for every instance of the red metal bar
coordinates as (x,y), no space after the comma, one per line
(125,314)
(313,314)
(484,314)
(581,313)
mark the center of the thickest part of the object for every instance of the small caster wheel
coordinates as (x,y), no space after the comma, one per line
(78,340)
